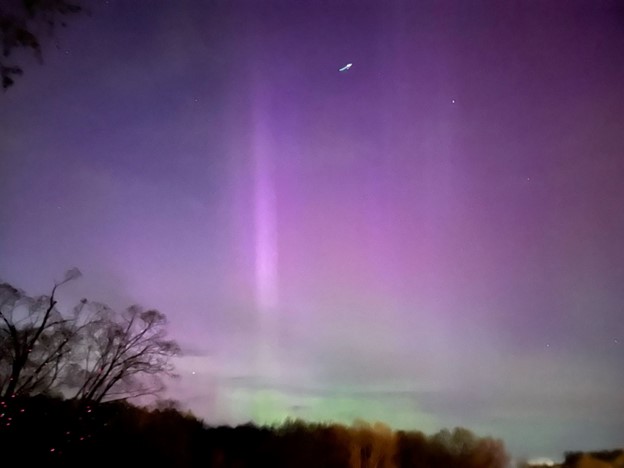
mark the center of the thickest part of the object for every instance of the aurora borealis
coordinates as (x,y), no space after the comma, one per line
(433,238)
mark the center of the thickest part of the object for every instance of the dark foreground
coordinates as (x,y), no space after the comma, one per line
(51,432)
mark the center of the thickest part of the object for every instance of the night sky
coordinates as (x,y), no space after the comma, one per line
(433,238)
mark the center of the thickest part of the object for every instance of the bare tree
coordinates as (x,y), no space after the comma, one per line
(34,340)
(123,356)
(92,352)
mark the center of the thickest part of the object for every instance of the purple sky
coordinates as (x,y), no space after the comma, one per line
(433,238)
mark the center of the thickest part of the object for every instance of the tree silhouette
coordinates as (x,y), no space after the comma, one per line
(22,22)
(66,433)
(122,356)
(94,352)
(34,340)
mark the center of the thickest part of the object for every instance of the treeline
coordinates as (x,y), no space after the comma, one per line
(602,458)
(68,433)
(301,444)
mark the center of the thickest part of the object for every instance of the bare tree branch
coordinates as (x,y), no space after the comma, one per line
(127,348)
(35,339)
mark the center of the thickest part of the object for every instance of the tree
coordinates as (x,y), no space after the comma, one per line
(35,340)
(412,449)
(462,448)
(122,356)
(372,445)
(489,453)
(21,24)
(93,352)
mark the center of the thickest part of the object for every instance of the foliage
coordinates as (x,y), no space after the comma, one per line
(22,23)
(68,433)
(614,458)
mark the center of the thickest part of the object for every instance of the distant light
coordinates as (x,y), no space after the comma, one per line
(542,461)
(193,372)
(346,67)
(452,101)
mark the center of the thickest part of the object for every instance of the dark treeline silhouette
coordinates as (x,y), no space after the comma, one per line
(603,458)
(53,432)
(72,433)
